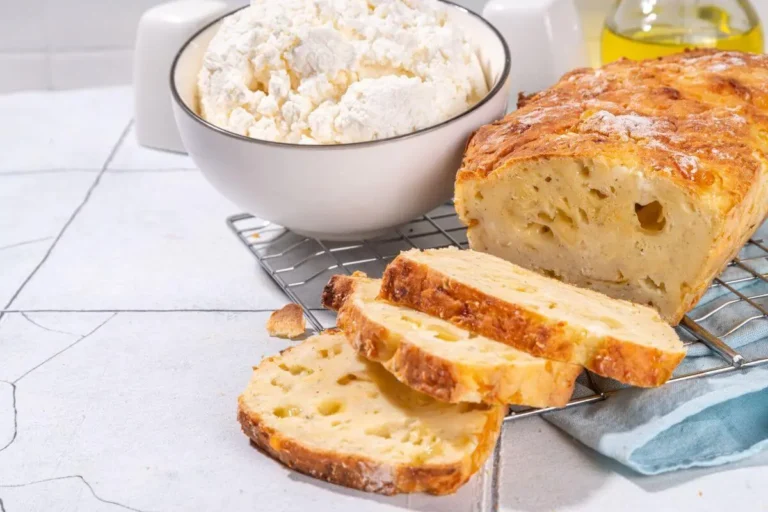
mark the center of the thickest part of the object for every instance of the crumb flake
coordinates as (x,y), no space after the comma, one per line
(287,322)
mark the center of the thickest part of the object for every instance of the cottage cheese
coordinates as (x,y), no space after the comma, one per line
(337,71)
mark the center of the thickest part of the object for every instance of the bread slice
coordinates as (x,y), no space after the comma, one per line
(322,410)
(435,357)
(542,316)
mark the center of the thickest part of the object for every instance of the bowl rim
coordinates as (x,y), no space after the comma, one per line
(498,86)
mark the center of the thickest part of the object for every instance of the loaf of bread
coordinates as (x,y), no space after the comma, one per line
(322,410)
(640,179)
(537,314)
(439,359)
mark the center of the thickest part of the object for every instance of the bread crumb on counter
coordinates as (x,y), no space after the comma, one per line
(287,322)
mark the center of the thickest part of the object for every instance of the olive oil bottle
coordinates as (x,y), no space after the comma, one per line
(643,29)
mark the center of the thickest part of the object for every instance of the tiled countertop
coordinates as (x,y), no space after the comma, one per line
(131,320)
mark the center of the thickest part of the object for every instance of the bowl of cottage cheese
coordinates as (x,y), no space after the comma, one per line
(338,119)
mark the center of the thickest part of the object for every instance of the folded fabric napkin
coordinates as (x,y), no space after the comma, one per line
(701,422)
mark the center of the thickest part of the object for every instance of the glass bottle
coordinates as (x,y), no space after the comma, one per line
(644,29)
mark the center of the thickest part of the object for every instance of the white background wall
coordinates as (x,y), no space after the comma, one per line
(64,44)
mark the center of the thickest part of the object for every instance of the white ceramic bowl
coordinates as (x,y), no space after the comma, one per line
(345,191)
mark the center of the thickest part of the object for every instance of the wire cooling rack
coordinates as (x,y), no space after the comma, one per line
(302,266)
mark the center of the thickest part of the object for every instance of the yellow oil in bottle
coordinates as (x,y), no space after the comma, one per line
(658,40)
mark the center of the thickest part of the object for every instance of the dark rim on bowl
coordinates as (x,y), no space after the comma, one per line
(495,90)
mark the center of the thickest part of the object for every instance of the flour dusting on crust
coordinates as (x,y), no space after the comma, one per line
(338,71)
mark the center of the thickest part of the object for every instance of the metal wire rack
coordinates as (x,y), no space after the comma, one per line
(302,266)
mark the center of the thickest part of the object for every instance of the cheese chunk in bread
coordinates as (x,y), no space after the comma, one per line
(437,358)
(542,316)
(322,410)
(640,180)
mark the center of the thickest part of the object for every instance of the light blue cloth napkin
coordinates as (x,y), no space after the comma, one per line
(702,422)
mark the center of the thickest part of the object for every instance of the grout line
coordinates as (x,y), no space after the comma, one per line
(27,242)
(78,477)
(13,384)
(134,171)
(117,170)
(81,338)
(23,51)
(15,415)
(28,319)
(64,51)
(31,172)
(48,63)
(72,217)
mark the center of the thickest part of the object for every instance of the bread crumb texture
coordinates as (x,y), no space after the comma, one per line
(437,358)
(536,314)
(695,117)
(322,410)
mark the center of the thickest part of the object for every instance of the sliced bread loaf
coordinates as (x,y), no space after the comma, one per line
(641,179)
(542,316)
(437,358)
(322,410)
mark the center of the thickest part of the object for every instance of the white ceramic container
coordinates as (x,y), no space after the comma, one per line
(545,40)
(338,192)
(162,30)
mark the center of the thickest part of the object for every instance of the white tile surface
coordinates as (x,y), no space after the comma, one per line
(36,205)
(94,68)
(7,415)
(62,130)
(29,339)
(33,209)
(61,494)
(543,469)
(130,156)
(144,410)
(151,241)
(27,70)
(17,263)
(21,26)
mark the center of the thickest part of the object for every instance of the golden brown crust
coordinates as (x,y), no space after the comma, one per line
(417,286)
(426,373)
(698,119)
(627,362)
(287,322)
(336,292)
(346,471)
(436,376)
(430,375)
(362,473)
(410,284)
